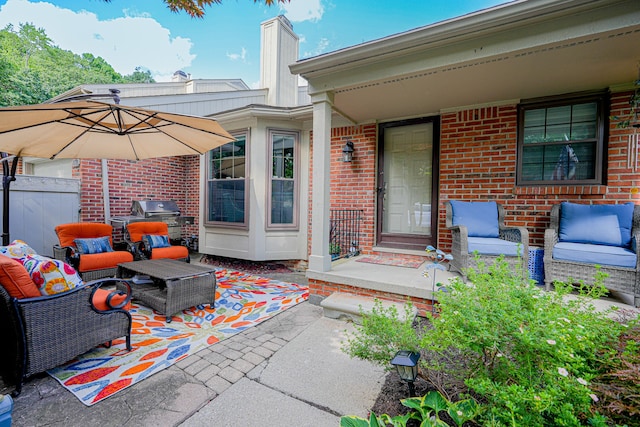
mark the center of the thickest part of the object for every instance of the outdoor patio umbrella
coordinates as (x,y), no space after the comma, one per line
(87,129)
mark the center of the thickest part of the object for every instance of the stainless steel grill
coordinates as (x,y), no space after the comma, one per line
(155,210)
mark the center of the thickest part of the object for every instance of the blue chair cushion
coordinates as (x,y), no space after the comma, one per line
(153,241)
(595,254)
(96,245)
(480,218)
(596,224)
(493,246)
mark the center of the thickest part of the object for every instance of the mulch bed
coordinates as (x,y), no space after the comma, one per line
(393,391)
(251,267)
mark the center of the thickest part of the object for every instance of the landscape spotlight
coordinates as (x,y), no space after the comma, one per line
(406,362)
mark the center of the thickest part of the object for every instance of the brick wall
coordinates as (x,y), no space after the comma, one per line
(324,289)
(168,178)
(353,184)
(478,157)
(489,136)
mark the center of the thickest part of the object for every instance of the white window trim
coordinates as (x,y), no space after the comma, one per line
(295,224)
(247,211)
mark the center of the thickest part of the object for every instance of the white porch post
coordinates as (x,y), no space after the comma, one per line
(320,260)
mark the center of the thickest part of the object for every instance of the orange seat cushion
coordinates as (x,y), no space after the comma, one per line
(82,230)
(138,229)
(173,252)
(91,262)
(100,300)
(15,279)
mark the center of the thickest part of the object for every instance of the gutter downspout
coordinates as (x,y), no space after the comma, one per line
(105,191)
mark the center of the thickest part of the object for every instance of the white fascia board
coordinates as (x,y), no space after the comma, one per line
(266,112)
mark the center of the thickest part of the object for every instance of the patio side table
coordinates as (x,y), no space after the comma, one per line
(536,264)
(172,285)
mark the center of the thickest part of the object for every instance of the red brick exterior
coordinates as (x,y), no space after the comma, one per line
(478,158)
(168,178)
(324,289)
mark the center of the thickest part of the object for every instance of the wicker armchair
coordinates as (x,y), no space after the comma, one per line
(463,253)
(137,238)
(41,333)
(90,266)
(622,279)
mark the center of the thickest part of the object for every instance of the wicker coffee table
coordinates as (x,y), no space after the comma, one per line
(170,286)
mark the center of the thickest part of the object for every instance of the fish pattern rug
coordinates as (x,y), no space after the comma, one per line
(241,301)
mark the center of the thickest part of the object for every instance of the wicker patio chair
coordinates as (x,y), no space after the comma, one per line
(40,333)
(90,266)
(463,253)
(139,237)
(622,279)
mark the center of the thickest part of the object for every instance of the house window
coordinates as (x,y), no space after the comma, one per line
(226,182)
(283,182)
(561,141)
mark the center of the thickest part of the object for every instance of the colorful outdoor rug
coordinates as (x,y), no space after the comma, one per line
(409,261)
(242,301)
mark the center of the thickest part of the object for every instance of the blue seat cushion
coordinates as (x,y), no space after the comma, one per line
(596,224)
(493,246)
(480,218)
(595,254)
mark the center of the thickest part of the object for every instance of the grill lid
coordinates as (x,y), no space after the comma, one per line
(147,208)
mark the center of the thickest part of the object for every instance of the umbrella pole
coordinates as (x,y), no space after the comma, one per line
(8,175)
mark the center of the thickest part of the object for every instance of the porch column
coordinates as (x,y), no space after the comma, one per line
(320,260)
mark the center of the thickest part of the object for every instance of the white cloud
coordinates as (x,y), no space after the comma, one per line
(303,10)
(125,43)
(242,56)
(320,48)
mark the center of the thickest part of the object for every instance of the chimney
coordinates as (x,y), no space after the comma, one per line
(278,49)
(180,76)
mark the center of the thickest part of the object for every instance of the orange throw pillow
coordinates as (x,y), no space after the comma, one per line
(100,300)
(15,279)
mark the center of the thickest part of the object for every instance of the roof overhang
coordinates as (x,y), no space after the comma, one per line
(262,111)
(519,50)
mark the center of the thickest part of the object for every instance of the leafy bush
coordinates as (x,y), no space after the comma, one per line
(382,334)
(530,356)
(426,409)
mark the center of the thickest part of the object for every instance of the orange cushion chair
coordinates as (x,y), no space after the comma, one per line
(151,241)
(88,247)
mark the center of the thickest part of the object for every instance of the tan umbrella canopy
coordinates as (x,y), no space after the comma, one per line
(99,130)
(86,129)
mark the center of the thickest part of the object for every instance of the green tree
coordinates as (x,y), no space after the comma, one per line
(33,70)
(139,76)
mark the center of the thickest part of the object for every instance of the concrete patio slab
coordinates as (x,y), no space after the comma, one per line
(313,368)
(250,404)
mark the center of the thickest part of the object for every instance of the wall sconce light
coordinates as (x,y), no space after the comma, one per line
(347,152)
(406,363)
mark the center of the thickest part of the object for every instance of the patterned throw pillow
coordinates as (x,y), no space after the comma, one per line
(17,249)
(51,276)
(93,246)
(152,241)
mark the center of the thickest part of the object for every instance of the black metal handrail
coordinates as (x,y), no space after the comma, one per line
(344,238)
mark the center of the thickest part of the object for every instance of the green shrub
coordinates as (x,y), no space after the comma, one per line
(382,334)
(427,410)
(529,356)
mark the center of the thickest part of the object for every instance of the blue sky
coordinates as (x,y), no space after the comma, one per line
(226,43)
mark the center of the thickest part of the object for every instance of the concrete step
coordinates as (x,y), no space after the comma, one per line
(348,307)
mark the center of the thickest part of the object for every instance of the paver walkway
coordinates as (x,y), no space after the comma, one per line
(284,370)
